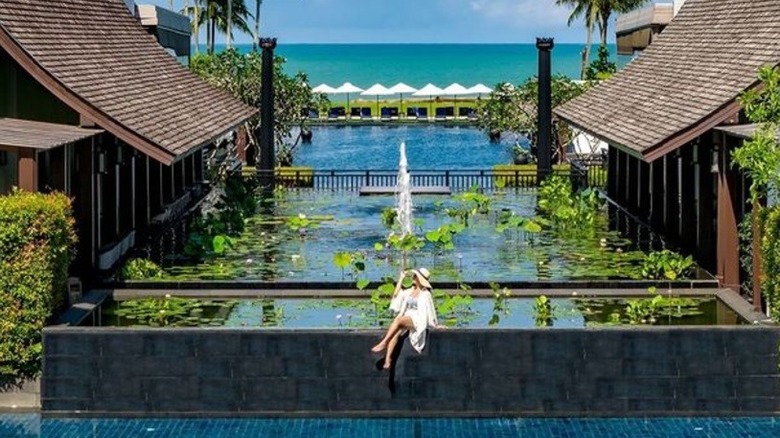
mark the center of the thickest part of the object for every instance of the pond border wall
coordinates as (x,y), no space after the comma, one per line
(346,285)
(627,371)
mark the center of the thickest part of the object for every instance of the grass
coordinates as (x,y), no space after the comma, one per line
(296,176)
(520,175)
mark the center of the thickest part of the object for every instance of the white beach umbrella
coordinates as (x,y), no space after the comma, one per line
(429,91)
(456,90)
(324,89)
(480,89)
(377,90)
(401,88)
(348,88)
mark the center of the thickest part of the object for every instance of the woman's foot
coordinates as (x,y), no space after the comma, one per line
(379,347)
(388,364)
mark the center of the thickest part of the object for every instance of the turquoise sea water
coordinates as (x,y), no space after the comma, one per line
(419,64)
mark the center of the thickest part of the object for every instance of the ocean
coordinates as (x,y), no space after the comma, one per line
(419,64)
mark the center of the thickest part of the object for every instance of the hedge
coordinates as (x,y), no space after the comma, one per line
(36,248)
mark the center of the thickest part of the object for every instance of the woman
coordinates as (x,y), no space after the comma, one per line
(416,313)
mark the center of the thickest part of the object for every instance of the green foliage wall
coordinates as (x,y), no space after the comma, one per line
(36,242)
(759,159)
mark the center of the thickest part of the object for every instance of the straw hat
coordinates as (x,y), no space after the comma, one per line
(423,275)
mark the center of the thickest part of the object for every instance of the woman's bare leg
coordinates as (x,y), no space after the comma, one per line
(389,352)
(400,323)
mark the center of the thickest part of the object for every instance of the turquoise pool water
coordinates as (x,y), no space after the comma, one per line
(28,426)
(428,147)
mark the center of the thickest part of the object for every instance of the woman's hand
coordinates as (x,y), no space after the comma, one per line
(441,327)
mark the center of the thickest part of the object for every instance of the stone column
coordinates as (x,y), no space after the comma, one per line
(266,135)
(544,117)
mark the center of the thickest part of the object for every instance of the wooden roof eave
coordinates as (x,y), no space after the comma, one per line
(690,133)
(601,137)
(681,138)
(80,105)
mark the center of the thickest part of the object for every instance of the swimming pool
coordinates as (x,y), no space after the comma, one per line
(24,426)
(429,147)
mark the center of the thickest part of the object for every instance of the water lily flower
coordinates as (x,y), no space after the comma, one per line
(167,296)
(301,216)
(295,256)
(249,261)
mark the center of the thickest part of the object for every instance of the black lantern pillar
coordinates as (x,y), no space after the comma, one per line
(266,134)
(544,117)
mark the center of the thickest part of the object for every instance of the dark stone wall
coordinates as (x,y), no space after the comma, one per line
(605,371)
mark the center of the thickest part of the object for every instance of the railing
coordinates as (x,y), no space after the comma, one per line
(594,170)
(455,180)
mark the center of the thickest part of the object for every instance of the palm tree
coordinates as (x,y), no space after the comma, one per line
(607,7)
(256,36)
(589,9)
(214,15)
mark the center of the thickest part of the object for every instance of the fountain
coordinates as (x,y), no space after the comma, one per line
(404,195)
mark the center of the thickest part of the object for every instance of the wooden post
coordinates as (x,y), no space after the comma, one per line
(728,231)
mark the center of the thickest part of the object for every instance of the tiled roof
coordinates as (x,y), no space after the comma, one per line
(687,81)
(95,56)
(39,135)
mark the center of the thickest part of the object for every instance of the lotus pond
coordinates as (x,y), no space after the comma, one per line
(306,236)
(454,311)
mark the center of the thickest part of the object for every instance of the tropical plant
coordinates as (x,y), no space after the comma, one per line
(500,303)
(607,7)
(218,16)
(354,260)
(667,265)
(389,216)
(759,159)
(240,75)
(172,312)
(544,311)
(589,11)
(515,110)
(569,213)
(602,68)
(442,237)
(141,269)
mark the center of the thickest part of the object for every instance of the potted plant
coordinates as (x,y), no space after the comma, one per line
(520,155)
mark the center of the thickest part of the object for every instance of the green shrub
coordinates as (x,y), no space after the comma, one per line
(36,242)
(571,214)
(141,269)
(667,265)
(770,250)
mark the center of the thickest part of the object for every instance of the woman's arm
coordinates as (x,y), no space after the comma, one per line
(400,283)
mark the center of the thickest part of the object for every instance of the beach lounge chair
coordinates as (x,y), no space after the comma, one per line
(342,113)
(463,112)
(355,113)
(422,114)
(449,112)
(393,112)
(411,112)
(441,114)
(365,113)
(313,114)
(472,114)
(384,114)
(333,113)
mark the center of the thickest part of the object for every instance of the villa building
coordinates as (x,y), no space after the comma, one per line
(672,119)
(638,29)
(91,105)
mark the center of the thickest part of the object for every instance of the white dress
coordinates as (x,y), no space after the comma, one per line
(422,311)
